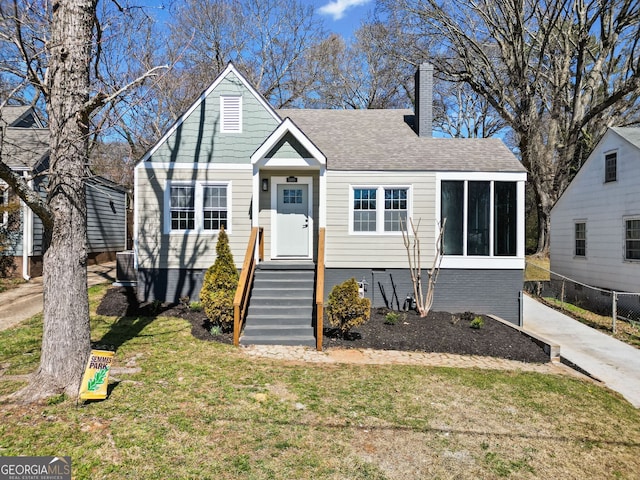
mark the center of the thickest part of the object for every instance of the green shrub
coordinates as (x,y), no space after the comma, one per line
(345,308)
(220,284)
(477,323)
(195,306)
(391,318)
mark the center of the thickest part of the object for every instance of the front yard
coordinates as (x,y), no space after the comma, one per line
(184,408)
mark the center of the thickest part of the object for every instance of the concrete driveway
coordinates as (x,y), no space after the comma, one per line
(610,361)
(25,301)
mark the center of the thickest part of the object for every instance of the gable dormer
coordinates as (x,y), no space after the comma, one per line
(224,125)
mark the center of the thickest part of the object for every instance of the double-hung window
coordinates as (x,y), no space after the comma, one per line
(580,239)
(632,239)
(196,206)
(481,217)
(183,213)
(395,209)
(379,209)
(364,209)
(610,167)
(214,207)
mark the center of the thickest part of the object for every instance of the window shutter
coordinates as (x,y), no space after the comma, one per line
(231,109)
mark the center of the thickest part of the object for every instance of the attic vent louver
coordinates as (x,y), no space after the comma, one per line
(231,114)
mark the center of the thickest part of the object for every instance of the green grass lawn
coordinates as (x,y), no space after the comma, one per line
(192,409)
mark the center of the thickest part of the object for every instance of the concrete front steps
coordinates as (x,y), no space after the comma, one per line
(281,305)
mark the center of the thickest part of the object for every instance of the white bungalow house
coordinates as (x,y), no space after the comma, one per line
(595,225)
(348,177)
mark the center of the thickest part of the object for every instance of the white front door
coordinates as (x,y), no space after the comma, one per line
(293,222)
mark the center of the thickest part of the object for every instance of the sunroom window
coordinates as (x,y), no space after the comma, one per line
(475,211)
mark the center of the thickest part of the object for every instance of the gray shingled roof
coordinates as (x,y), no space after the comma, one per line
(385,140)
(24,148)
(630,134)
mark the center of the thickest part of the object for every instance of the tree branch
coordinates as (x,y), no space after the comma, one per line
(101,99)
(27,194)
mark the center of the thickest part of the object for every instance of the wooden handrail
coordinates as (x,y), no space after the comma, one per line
(320,289)
(241,299)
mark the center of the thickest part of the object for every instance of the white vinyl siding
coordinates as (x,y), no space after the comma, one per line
(231,114)
(607,207)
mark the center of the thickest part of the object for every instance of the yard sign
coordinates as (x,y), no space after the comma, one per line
(96,375)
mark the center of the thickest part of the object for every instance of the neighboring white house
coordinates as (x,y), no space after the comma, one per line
(595,225)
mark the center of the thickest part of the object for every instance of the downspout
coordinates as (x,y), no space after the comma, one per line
(27,233)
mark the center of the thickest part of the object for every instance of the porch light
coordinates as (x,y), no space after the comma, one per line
(265,184)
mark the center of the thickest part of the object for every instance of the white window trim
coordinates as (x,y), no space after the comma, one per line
(489,261)
(575,222)
(198,206)
(624,238)
(224,128)
(379,207)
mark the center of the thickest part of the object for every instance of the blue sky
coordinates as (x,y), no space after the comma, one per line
(343,16)
(340,16)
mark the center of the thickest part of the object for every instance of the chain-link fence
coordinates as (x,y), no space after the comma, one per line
(577,297)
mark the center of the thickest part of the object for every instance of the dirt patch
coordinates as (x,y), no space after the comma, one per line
(438,332)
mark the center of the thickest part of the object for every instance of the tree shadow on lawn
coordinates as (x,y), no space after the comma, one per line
(133,317)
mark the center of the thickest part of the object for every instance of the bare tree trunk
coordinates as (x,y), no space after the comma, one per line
(66,335)
(544,228)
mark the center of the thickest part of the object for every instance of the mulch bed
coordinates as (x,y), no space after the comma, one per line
(438,332)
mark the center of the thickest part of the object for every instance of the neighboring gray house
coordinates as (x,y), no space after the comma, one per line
(24,147)
(232,160)
(595,225)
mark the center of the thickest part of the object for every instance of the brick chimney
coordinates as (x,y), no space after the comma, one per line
(424,100)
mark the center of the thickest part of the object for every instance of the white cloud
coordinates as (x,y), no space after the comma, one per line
(336,8)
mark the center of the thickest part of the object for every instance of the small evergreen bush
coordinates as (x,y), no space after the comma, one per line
(477,323)
(391,318)
(220,284)
(345,308)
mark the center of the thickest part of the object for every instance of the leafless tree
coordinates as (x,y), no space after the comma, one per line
(266,39)
(57,48)
(558,73)
(424,299)
(355,75)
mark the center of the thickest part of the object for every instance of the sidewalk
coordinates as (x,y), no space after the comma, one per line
(24,301)
(611,361)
